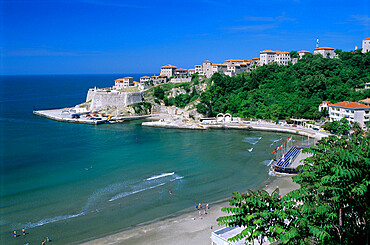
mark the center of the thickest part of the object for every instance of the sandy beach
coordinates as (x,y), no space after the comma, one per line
(185,228)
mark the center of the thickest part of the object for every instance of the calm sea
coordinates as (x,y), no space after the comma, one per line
(72,181)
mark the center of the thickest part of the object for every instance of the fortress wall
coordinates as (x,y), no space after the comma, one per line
(101,99)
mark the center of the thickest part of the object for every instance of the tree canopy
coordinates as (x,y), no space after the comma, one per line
(330,207)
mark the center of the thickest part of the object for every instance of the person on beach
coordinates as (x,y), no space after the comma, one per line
(197,207)
(23,232)
(207,206)
(15,233)
(47,239)
(200,206)
(205,212)
(43,243)
(200,213)
(170,192)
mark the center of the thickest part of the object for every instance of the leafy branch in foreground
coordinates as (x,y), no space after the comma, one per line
(330,207)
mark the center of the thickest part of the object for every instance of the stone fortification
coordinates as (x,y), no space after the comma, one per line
(102,98)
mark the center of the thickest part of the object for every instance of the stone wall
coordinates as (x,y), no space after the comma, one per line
(103,98)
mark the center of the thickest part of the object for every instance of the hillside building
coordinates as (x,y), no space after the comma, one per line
(207,68)
(219,68)
(353,111)
(191,72)
(125,82)
(181,73)
(366,45)
(324,105)
(144,79)
(326,52)
(168,70)
(267,57)
(282,57)
(302,53)
(233,62)
(255,61)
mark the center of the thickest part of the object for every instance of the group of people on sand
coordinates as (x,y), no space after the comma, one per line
(47,239)
(199,207)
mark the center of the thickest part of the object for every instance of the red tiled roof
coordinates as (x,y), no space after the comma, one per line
(367,38)
(324,48)
(180,69)
(353,105)
(281,52)
(365,100)
(119,79)
(207,61)
(327,102)
(256,58)
(136,82)
(162,75)
(128,78)
(169,66)
(233,60)
(303,51)
(145,77)
(268,51)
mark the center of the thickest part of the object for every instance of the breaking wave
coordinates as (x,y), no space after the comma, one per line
(252,140)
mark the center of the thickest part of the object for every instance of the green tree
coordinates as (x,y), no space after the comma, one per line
(330,207)
(158,92)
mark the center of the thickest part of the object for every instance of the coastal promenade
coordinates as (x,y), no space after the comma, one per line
(263,126)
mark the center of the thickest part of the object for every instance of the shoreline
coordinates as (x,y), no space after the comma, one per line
(186,226)
(240,126)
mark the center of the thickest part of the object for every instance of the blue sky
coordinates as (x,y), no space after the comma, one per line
(110,36)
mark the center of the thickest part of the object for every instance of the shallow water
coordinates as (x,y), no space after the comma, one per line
(72,181)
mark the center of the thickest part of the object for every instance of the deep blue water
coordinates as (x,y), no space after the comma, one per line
(46,188)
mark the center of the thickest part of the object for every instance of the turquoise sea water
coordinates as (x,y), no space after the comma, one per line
(72,182)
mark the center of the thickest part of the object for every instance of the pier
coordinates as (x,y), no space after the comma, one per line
(68,115)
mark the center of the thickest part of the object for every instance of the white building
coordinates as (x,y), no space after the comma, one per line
(255,61)
(181,73)
(324,105)
(199,69)
(207,68)
(302,52)
(282,57)
(144,79)
(233,62)
(353,111)
(191,72)
(267,57)
(366,45)
(326,52)
(125,82)
(168,70)
(219,68)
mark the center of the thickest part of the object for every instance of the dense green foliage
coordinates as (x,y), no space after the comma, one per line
(337,127)
(276,92)
(142,107)
(181,100)
(330,207)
